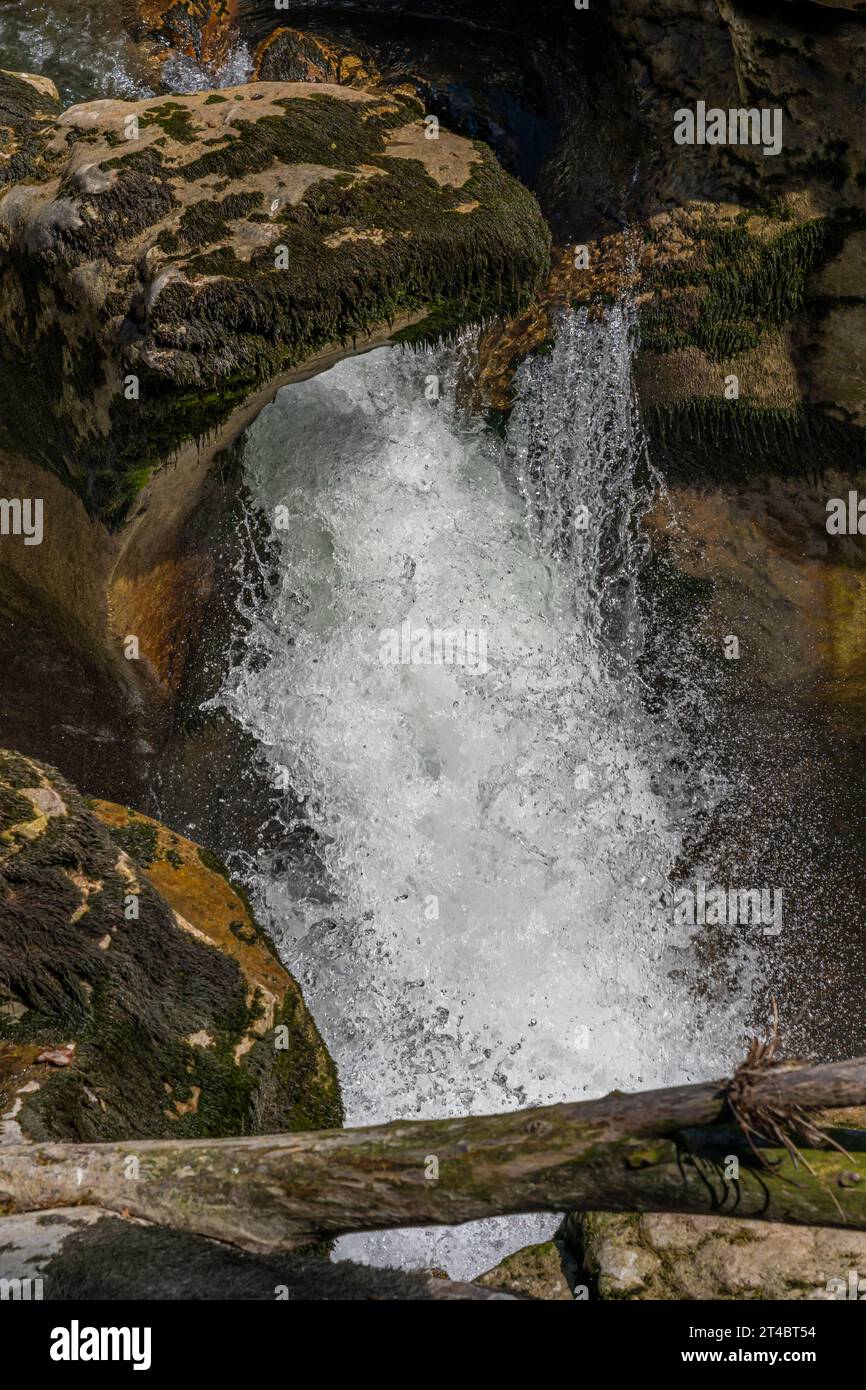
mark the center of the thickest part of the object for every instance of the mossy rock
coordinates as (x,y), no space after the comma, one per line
(722,278)
(634,1257)
(752,266)
(167,259)
(138,996)
(535,1271)
(201,29)
(28,106)
(748,362)
(290,55)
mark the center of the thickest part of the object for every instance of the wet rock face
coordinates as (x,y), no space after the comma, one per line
(747,267)
(138,997)
(200,29)
(27,105)
(290,55)
(166,259)
(804,59)
(752,329)
(752,370)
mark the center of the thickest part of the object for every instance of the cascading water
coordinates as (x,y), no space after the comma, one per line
(489,922)
(87,51)
(184,74)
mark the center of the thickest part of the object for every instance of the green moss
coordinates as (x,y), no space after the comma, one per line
(216,342)
(461,267)
(207,222)
(139,840)
(174,119)
(20,101)
(168,417)
(130,1008)
(749,286)
(729,441)
(302,1094)
(140,197)
(24,116)
(14,809)
(15,771)
(210,861)
(320,129)
(169,242)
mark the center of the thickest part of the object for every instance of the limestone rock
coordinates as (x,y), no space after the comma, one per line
(662,1256)
(800,59)
(536,1271)
(776,575)
(27,105)
(748,268)
(751,268)
(167,260)
(125,948)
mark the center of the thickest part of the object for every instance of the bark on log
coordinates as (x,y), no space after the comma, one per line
(654,1151)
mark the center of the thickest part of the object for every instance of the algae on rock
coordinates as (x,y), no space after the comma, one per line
(138,996)
(165,259)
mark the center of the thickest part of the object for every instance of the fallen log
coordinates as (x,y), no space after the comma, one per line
(664,1150)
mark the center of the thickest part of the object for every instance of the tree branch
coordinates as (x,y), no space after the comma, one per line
(647,1152)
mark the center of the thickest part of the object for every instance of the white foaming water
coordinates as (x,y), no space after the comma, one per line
(487,930)
(185,75)
(86,50)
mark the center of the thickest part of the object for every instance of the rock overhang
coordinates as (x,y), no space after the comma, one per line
(163,260)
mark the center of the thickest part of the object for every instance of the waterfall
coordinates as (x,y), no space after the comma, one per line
(486,922)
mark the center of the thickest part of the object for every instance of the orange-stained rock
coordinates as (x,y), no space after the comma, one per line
(613,265)
(194,884)
(201,29)
(290,55)
(138,997)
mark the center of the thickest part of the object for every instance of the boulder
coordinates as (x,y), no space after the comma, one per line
(291,55)
(168,263)
(138,996)
(165,266)
(662,1256)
